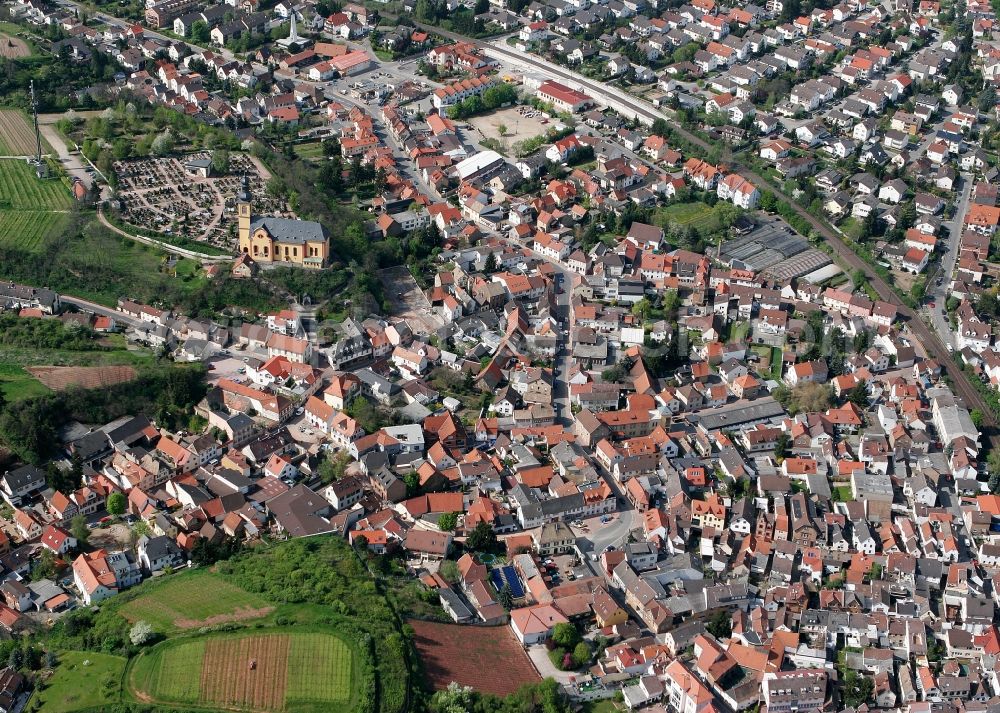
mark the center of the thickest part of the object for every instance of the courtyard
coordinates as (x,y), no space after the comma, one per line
(519,123)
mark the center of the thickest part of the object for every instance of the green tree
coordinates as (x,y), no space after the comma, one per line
(987,99)
(781,445)
(993,467)
(482,537)
(220,161)
(45,566)
(977,418)
(78,528)
(449,571)
(505,597)
(200,32)
(565,636)
(581,655)
(116,504)
(858,689)
(720,625)
(333,468)
(448,521)
(859,396)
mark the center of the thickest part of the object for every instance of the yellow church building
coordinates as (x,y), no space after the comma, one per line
(280,240)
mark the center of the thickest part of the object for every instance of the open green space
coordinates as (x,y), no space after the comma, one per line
(319,670)
(27,342)
(291,670)
(21,190)
(171,672)
(13,30)
(178,602)
(323,638)
(17,384)
(776,363)
(685,213)
(737,332)
(27,229)
(31,210)
(83,680)
(310,150)
(843,494)
(18,356)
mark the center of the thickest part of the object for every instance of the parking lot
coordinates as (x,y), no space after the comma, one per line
(231,366)
(408,300)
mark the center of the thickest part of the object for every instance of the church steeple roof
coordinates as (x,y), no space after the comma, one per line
(244,195)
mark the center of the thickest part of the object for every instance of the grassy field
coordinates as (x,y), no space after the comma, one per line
(83,680)
(21,190)
(843,494)
(319,670)
(27,229)
(173,673)
(185,602)
(606,706)
(30,210)
(19,356)
(685,213)
(309,151)
(776,354)
(737,331)
(16,383)
(267,671)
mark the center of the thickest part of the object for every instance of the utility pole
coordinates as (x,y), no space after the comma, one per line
(41,170)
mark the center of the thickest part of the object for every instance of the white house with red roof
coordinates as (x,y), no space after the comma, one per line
(57,540)
(280,467)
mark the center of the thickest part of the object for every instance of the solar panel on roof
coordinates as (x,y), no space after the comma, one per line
(506,575)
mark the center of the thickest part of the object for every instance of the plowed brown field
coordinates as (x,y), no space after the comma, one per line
(16,135)
(488,658)
(12,48)
(58,378)
(227,679)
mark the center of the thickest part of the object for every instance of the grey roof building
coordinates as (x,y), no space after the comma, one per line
(288,230)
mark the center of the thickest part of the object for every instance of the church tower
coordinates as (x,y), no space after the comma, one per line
(243,211)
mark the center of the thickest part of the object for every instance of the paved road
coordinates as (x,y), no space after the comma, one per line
(939,293)
(88,306)
(600,534)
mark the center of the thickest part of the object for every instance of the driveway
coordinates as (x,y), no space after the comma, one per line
(539,656)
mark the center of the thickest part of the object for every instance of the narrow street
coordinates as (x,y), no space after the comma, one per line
(938,291)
